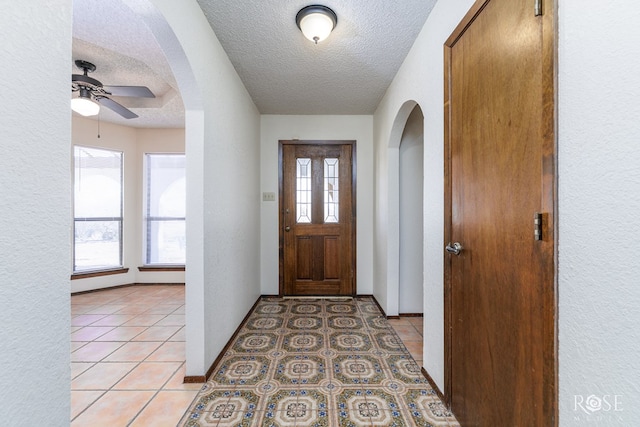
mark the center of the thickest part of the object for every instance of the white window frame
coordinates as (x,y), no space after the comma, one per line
(120,218)
(147,218)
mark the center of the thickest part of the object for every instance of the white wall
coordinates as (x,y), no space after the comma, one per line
(35,207)
(411,216)
(275,128)
(599,77)
(222,133)
(133,143)
(599,201)
(599,197)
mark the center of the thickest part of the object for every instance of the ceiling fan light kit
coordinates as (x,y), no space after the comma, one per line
(84,105)
(316,22)
(92,93)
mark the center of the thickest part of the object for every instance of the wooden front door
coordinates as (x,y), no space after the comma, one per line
(317,219)
(500,174)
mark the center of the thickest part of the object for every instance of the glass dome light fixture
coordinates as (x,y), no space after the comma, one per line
(84,105)
(316,22)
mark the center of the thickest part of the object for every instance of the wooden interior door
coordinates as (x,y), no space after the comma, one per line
(500,172)
(317,219)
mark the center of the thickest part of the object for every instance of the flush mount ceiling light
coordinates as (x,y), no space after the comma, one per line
(84,105)
(316,22)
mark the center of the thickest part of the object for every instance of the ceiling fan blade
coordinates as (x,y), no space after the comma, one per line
(137,91)
(113,105)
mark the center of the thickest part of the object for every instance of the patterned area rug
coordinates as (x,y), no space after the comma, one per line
(317,362)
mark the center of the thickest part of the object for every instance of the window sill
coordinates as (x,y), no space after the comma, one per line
(161,268)
(98,273)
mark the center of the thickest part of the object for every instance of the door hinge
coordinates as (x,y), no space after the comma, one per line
(538,7)
(537,226)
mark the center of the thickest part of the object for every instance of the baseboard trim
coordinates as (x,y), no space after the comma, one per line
(411,315)
(376,301)
(146,268)
(312,297)
(433,384)
(128,285)
(216,362)
(194,379)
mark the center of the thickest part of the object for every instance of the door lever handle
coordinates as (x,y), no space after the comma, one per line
(455,248)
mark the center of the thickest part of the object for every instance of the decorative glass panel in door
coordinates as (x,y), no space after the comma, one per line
(303,190)
(331,190)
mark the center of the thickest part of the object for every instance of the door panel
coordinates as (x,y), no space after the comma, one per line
(332,257)
(304,252)
(499,287)
(317,219)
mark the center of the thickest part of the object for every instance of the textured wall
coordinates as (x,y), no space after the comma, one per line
(275,128)
(599,192)
(35,257)
(222,129)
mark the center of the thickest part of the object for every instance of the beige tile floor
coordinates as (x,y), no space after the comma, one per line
(409,329)
(127,360)
(128,356)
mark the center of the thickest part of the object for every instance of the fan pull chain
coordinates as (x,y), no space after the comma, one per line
(98,125)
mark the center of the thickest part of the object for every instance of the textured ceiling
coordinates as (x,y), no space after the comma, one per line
(346,74)
(284,73)
(125,52)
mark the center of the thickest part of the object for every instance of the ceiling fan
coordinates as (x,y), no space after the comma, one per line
(91,91)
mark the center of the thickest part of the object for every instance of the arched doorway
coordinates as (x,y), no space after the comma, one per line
(410,218)
(411,215)
(405,230)
(148,12)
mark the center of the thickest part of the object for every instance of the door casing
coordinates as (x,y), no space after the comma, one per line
(281,214)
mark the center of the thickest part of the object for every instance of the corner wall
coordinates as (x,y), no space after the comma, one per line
(599,201)
(419,79)
(222,132)
(277,127)
(35,207)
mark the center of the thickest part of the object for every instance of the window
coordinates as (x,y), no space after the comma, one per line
(303,191)
(97,209)
(164,213)
(331,190)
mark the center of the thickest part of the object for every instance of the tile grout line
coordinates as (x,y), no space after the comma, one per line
(361,315)
(155,394)
(351,352)
(136,363)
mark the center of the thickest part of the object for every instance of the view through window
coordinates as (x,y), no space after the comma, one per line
(165,198)
(97,209)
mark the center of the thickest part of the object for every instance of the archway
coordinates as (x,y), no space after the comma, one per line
(411,164)
(392,307)
(194,148)
(405,228)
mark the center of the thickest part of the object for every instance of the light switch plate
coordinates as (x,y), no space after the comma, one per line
(268,197)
